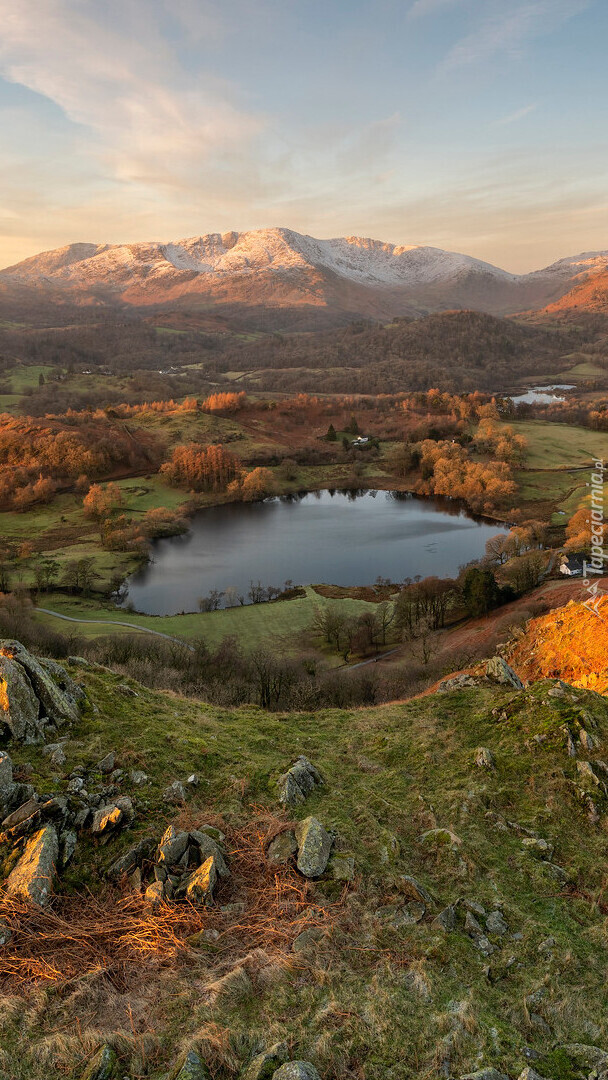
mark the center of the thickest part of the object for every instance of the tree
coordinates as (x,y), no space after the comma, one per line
(257,484)
(99,503)
(480,591)
(331,434)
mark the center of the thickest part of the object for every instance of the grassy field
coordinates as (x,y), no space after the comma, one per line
(283,622)
(385,991)
(557,446)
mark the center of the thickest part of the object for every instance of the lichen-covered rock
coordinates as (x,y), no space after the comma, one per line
(282,848)
(495,924)
(314,847)
(156,893)
(297,1070)
(57,705)
(412,888)
(7,784)
(33,876)
(190,1067)
(107,762)
(113,816)
(298,782)
(499,671)
(175,793)
(173,844)
(19,706)
(103,1066)
(202,883)
(307,939)
(263,1066)
(485,1074)
(208,847)
(484,758)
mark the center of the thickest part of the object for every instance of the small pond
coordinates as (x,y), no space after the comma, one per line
(335,537)
(542,395)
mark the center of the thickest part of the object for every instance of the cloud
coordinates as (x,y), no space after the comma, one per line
(519,114)
(508,28)
(111,70)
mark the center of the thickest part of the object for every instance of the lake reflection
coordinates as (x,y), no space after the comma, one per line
(340,538)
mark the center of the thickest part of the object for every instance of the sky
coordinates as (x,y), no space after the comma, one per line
(472,125)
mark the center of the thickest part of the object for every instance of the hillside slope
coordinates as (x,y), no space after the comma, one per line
(570,643)
(458,937)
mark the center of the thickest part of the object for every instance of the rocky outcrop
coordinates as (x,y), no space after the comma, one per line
(314,847)
(499,671)
(298,782)
(35,695)
(33,876)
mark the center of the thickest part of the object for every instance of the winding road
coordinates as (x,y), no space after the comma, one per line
(116,622)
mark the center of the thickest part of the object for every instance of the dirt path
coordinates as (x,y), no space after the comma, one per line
(116,622)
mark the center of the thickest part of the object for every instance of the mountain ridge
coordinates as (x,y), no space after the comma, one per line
(349,276)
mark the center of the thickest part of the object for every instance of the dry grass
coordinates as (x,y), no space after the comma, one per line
(123,938)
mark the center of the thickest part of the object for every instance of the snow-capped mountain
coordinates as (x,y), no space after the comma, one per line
(280,268)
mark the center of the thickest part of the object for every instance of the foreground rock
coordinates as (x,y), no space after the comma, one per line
(265,1065)
(103,1066)
(35,695)
(33,876)
(296,1070)
(190,1067)
(499,671)
(298,782)
(314,847)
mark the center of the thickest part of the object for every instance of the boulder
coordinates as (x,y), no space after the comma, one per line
(307,938)
(7,784)
(107,763)
(5,932)
(113,816)
(173,845)
(484,758)
(495,924)
(103,1066)
(499,671)
(208,847)
(485,1074)
(298,782)
(296,1070)
(19,706)
(412,888)
(202,882)
(314,847)
(460,682)
(175,793)
(32,878)
(132,859)
(190,1067)
(282,848)
(263,1066)
(138,777)
(58,705)
(447,919)
(156,893)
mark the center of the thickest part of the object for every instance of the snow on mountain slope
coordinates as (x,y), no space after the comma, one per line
(279,267)
(276,250)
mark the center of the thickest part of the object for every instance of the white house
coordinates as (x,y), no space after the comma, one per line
(571,565)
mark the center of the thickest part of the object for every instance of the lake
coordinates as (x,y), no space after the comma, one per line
(542,395)
(334,537)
